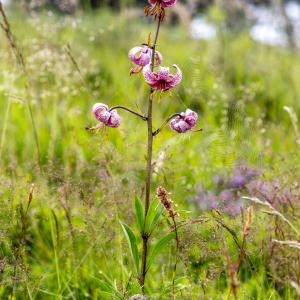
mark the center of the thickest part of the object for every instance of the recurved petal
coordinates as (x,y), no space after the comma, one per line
(176,79)
(98,108)
(150,77)
(140,55)
(104,116)
(168,3)
(114,120)
(132,52)
(191,117)
(158,58)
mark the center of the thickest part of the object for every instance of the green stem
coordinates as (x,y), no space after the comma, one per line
(149,164)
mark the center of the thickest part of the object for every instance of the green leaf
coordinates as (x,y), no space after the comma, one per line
(154,212)
(131,239)
(139,213)
(108,289)
(157,249)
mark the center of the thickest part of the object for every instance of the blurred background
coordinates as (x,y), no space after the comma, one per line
(274,22)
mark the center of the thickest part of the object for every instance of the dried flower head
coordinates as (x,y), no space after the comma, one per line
(106,116)
(184,122)
(163,79)
(157,7)
(163,196)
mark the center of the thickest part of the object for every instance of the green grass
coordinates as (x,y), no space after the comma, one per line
(85,182)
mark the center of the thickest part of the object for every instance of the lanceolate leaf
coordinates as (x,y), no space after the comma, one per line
(157,249)
(154,212)
(139,213)
(132,244)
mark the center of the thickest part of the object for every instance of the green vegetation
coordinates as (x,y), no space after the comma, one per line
(69,244)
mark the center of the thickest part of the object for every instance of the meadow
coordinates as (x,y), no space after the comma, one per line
(65,190)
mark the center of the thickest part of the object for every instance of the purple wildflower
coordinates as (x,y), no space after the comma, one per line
(186,121)
(141,56)
(226,196)
(238,181)
(107,117)
(163,79)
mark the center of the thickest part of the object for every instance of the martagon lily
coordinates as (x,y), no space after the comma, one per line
(184,121)
(163,79)
(105,116)
(141,56)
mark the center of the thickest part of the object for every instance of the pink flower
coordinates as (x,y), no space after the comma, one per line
(142,56)
(186,121)
(163,79)
(108,117)
(163,3)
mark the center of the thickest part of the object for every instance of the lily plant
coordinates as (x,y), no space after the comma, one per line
(148,60)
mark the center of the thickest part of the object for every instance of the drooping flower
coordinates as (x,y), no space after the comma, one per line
(106,116)
(163,79)
(141,56)
(163,3)
(184,122)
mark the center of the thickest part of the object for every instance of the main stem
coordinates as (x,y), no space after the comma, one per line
(149,163)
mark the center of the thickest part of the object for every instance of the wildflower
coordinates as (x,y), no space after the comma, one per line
(162,80)
(226,196)
(107,117)
(141,56)
(184,122)
(163,196)
(238,181)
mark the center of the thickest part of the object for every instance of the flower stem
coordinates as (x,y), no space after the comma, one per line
(157,131)
(129,110)
(149,163)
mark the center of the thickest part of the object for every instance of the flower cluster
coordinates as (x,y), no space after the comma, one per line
(184,121)
(163,79)
(106,116)
(228,191)
(157,77)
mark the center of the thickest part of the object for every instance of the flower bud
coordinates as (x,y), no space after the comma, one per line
(105,116)
(184,122)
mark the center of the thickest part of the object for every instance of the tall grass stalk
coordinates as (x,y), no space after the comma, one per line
(5,122)
(20,59)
